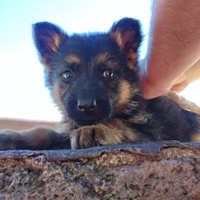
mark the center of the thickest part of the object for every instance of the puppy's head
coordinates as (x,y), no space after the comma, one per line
(91,77)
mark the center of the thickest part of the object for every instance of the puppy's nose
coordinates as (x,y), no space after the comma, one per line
(86,104)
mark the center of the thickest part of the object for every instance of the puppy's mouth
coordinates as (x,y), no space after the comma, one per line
(90,122)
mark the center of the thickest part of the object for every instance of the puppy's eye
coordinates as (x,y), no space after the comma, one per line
(108,73)
(67,75)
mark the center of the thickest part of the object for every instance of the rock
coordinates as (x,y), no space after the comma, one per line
(157,170)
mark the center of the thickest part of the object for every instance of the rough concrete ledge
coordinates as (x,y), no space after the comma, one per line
(158,170)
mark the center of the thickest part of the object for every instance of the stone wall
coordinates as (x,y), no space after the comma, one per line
(160,170)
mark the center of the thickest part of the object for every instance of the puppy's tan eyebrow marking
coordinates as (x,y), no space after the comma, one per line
(73,59)
(102,57)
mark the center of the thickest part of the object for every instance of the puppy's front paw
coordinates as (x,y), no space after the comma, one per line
(87,136)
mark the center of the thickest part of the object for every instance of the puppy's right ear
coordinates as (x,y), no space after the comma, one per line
(126,33)
(48,38)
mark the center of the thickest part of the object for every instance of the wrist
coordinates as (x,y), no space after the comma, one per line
(152,90)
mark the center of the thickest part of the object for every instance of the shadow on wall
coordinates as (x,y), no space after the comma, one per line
(20,124)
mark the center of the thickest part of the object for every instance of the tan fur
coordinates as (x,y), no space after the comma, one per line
(102,57)
(140,118)
(117,36)
(111,133)
(57,40)
(56,97)
(131,64)
(117,124)
(133,56)
(73,59)
(67,127)
(125,93)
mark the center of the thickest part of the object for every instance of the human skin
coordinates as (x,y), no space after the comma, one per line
(173,56)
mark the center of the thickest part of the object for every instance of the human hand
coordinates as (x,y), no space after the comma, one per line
(155,88)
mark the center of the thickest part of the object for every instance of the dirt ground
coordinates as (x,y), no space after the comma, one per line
(20,124)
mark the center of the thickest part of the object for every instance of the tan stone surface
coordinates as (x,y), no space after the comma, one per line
(160,170)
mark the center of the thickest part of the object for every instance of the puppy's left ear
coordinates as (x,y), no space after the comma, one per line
(126,34)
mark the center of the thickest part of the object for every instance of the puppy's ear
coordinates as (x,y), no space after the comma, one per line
(48,38)
(126,33)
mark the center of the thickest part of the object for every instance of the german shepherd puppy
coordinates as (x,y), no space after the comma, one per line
(94,81)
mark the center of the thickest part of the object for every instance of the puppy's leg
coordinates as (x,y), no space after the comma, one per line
(110,133)
(38,138)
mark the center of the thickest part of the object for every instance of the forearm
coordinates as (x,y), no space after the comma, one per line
(174,42)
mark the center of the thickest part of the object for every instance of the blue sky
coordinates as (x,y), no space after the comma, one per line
(22,90)
(16,17)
